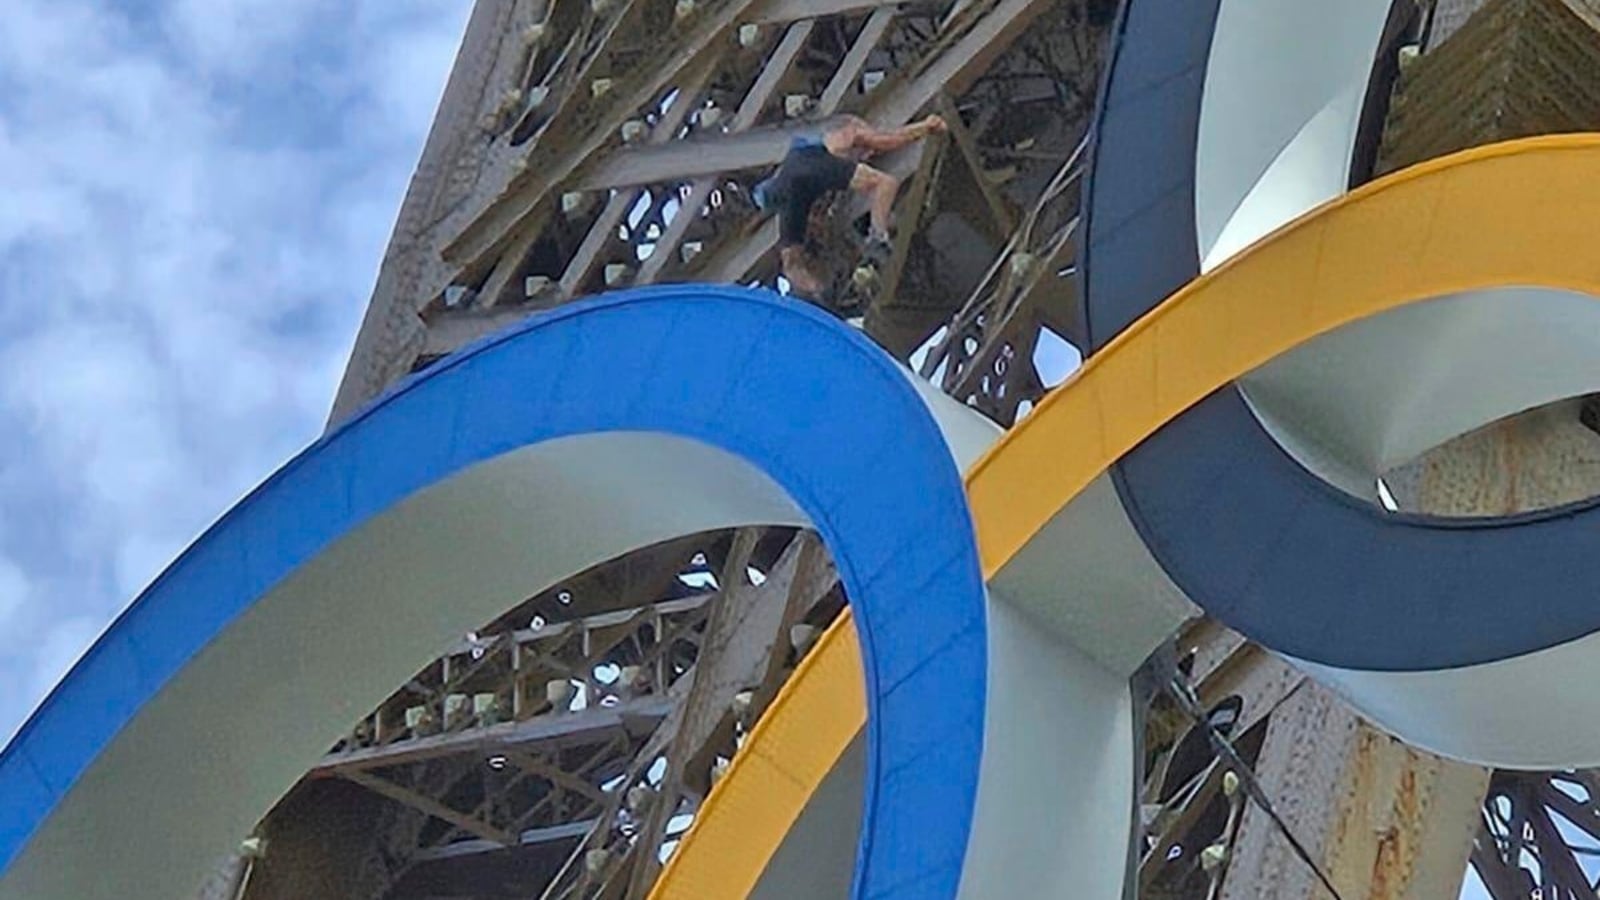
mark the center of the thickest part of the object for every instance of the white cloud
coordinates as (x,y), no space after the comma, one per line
(196,198)
(58,648)
(14,589)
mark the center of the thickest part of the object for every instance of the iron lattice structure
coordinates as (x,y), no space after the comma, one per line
(582,148)
(559,751)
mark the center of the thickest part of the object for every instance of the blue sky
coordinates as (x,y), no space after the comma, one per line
(194,199)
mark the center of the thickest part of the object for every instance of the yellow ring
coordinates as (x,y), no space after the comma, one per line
(1513,214)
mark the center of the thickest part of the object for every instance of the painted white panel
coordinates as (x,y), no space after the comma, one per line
(1055,793)
(1088,579)
(967,432)
(817,858)
(1537,711)
(1377,393)
(1279,113)
(335,638)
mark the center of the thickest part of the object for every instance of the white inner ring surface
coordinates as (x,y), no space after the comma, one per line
(1377,393)
(1279,114)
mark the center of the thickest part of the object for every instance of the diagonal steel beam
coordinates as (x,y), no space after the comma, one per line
(605,225)
(766,84)
(973,43)
(916,203)
(430,806)
(844,77)
(703,706)
(975,39)
(855,60)
(554,774)
(779,11)
(999,208)
(578,134)
(497,738)
(530,838)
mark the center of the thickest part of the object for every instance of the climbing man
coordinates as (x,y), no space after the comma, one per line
(817,165)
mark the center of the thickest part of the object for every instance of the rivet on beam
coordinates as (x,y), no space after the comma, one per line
(457,296)
(796,105)
(510,101)
(639,797)
(253,848)
(801,637)
(1001,175)
(535,286)
(560,694)
(634,130)
(1021,263)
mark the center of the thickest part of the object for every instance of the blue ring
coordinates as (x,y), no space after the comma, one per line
(812,403)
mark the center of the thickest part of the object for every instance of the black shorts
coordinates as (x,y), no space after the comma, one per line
(808,173)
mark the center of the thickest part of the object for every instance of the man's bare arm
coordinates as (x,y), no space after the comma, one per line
(857,134)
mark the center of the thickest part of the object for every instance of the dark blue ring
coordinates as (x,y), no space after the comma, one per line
(1242,529)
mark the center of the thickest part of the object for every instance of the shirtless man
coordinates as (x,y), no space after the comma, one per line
(819,164)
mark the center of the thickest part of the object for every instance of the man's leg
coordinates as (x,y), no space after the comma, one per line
(880,188)
(797,268)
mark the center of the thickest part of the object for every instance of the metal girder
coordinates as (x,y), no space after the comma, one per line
(1380,820)
(430,806)
(780,11)
(450,332)
(1188,815)
(527,838)
(604,229)
(999,208)
(534,766)
(743,646)
(707,702)
(970,43)
(844,77)
(914,210)
(581,725)
(855,60)
(986,354)
(946,68)
(1539,835)
(579,130)
(766,84)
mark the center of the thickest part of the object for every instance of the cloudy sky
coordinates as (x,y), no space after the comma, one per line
(194,198)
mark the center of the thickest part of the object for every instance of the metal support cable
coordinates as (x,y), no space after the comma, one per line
(1187,700)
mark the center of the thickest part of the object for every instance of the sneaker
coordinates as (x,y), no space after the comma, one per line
(877,249)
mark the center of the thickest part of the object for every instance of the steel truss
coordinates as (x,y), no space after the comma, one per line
(583,146)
